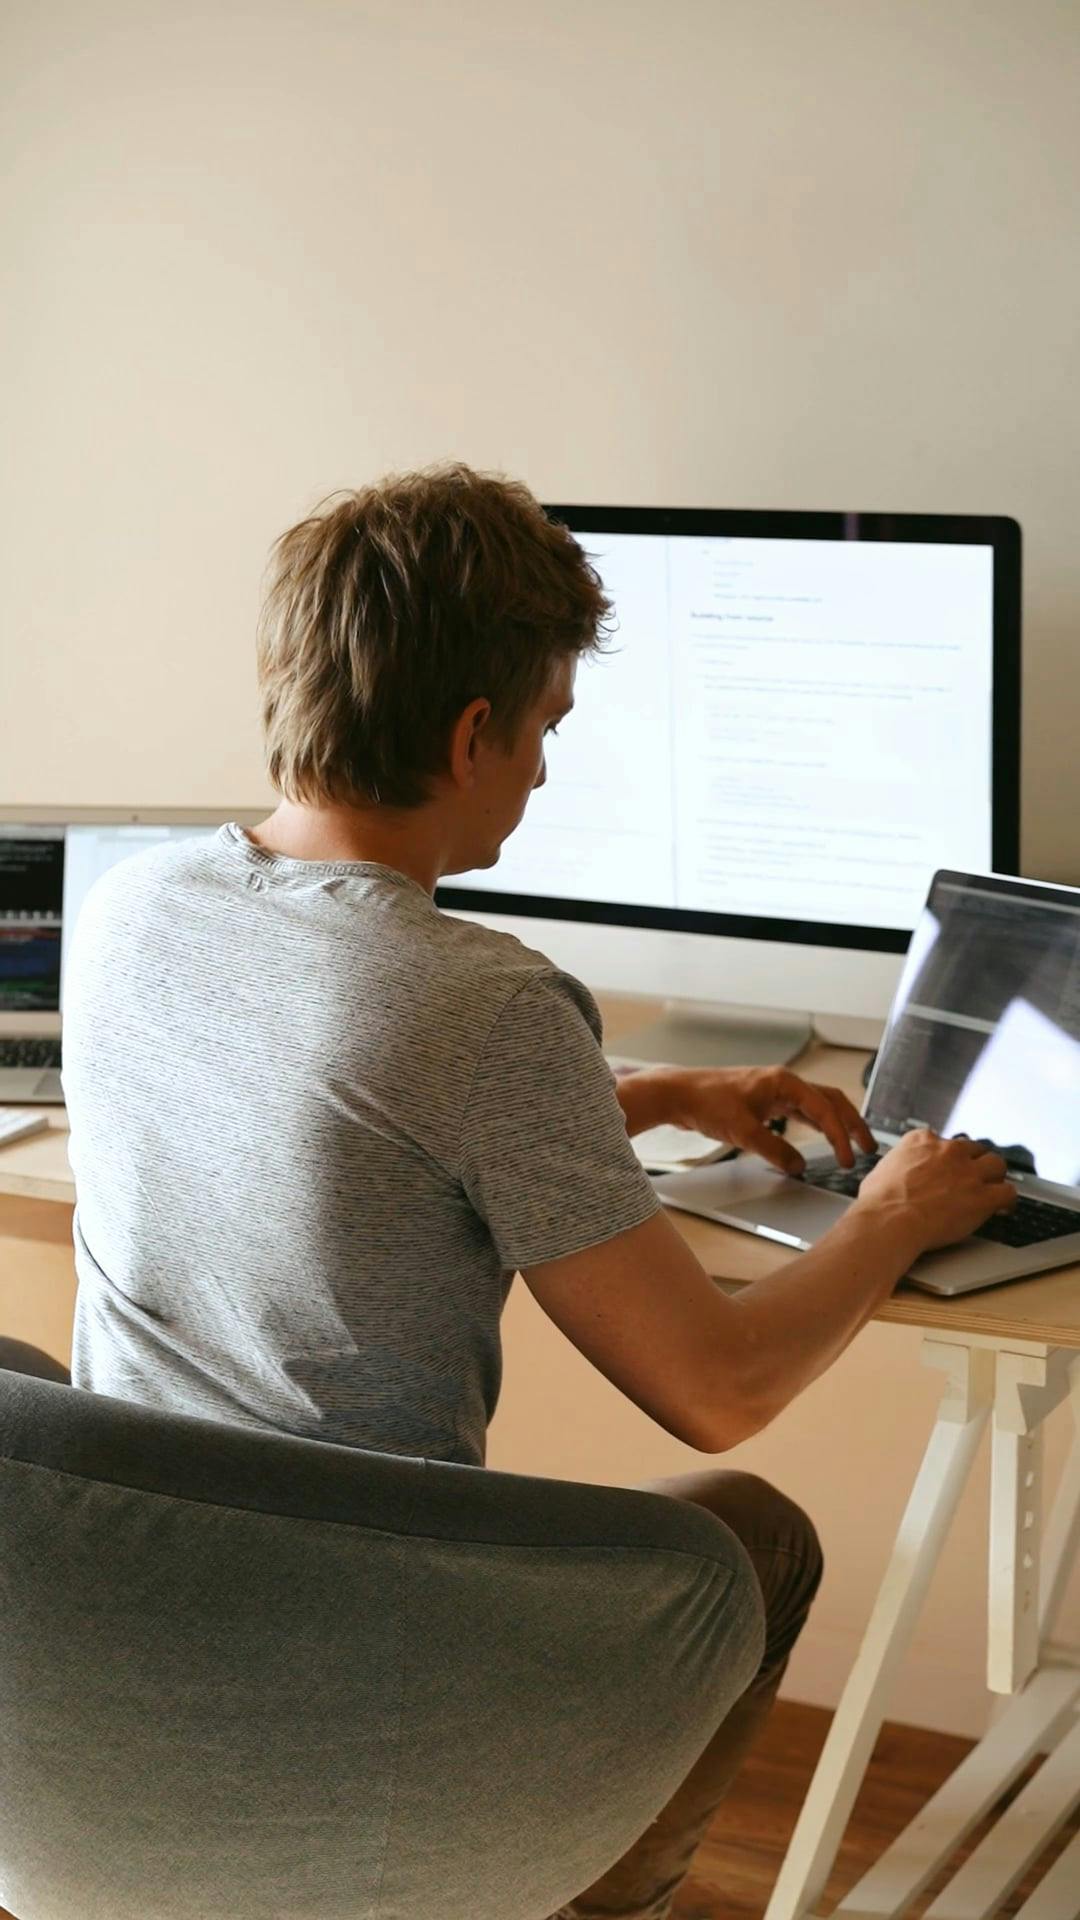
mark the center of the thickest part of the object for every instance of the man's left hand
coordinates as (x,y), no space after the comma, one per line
(735,1104)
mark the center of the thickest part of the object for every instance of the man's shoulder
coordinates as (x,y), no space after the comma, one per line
(145,872)
(500,966)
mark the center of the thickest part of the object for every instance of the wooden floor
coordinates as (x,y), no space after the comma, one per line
(736,1865)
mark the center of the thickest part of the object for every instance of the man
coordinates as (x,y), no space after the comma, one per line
(317,1125)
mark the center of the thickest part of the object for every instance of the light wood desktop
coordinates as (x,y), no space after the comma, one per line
(1010,1355)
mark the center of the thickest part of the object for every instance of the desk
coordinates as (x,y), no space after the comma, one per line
(1009,1355)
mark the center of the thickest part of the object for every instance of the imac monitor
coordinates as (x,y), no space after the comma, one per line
(798,719)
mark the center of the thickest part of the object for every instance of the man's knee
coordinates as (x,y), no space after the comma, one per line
(776,1521)
(768,1522)
(783,1545)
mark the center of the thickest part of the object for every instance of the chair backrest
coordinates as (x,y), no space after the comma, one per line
(250,1677)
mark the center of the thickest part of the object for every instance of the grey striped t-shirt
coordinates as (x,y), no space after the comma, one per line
(316,1125)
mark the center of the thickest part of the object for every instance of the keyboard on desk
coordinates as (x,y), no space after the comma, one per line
(31,1051)
(1029,1221)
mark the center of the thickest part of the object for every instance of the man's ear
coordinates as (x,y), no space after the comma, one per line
(465,740)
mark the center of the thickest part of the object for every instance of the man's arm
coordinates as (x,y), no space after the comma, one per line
(714,1369)
(648,1096)
(710,1368)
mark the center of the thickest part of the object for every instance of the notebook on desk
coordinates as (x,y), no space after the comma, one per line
(983,1038)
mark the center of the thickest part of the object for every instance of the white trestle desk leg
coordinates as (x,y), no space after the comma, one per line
(1012,1648)
(1030,1724)
(1029,1387)
(1015,1841)
(1038,1719)
(1062,1544)
(1056,1897)
(964,1410)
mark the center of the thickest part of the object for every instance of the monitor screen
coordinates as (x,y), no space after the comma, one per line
(984,1035)
(796,720)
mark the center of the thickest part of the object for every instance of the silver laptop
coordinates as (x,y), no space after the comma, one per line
(983,1038)
(46,870)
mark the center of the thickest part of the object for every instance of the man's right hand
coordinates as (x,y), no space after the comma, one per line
(945,1188)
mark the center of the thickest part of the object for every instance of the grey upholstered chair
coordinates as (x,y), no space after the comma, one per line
(250,1677)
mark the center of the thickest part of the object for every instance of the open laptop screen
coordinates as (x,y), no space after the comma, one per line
(31,903)
(984,1033)
(46,873)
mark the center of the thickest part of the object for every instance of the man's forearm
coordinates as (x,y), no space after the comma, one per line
(651,1097)
(797,1321)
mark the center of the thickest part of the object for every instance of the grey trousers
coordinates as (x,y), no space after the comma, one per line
(786,1555)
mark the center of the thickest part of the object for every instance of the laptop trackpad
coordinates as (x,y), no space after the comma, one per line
(746,1191)
(29,1083)
(19,1083)
(804,1212)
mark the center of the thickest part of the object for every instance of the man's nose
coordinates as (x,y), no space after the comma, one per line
(541,776)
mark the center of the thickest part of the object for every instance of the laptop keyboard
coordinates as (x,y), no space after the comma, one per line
(1029,1222)
(30,1052)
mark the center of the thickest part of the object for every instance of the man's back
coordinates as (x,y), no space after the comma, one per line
(316,1124)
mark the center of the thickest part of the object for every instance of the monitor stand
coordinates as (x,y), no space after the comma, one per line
(693,1033)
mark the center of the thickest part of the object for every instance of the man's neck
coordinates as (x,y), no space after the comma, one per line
(405,842)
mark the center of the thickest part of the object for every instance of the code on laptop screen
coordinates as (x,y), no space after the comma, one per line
(31,902)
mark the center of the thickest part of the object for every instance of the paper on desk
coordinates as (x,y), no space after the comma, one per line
(17,1122)
(671,1149)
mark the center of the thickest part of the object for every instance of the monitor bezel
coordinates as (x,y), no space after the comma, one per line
(998,531)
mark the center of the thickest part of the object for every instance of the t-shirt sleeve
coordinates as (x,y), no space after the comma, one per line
(545,1157)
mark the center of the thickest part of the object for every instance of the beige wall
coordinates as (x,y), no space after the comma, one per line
(716,252)
(713,251)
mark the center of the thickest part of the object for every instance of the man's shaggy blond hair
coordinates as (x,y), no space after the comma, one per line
(387,613)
